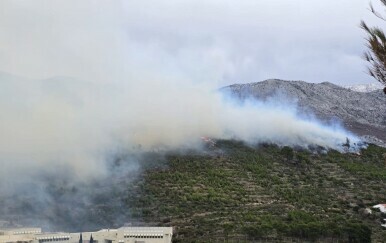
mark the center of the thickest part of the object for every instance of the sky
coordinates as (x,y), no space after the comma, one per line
(217,42)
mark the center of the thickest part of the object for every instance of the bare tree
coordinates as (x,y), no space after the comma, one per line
(376,44)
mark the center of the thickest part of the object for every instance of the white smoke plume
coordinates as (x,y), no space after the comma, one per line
(63,120)
(126,90)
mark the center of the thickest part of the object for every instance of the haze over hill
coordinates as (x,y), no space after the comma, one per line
(66,138)
(361,113)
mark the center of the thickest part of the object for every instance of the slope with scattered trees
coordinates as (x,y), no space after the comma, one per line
(241,193)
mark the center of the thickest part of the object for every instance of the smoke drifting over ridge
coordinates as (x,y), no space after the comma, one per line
(66,121)
(126,92)
(61,139)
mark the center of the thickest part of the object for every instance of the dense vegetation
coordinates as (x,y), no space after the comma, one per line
(237,193)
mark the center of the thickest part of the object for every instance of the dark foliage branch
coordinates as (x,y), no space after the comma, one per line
(376,44)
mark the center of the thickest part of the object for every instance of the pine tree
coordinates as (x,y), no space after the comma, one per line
(376,44)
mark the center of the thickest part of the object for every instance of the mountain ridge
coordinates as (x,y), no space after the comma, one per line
(365,87)
(360,113)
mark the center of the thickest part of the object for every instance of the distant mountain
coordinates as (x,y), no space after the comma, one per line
(365,87)
(361,113)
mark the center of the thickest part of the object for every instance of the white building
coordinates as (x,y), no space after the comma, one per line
(121,235)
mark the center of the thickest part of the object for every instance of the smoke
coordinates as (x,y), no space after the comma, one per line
(94,89)
(66,121)
(69,147)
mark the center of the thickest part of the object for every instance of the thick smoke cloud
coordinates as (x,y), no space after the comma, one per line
(65,121)
(99,78)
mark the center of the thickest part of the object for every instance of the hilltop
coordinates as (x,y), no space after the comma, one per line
(365,87)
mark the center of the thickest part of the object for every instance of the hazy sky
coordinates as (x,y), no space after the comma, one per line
(216,41)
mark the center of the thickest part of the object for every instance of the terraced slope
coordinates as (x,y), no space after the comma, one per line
(239,193)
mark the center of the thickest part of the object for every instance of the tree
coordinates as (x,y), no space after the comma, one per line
(288,153)
(347,145)
(376,44)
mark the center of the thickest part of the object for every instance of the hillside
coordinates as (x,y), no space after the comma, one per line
(241,193)
(362,113)
(230,191)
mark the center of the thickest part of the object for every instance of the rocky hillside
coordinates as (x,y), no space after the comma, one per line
(361,113)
